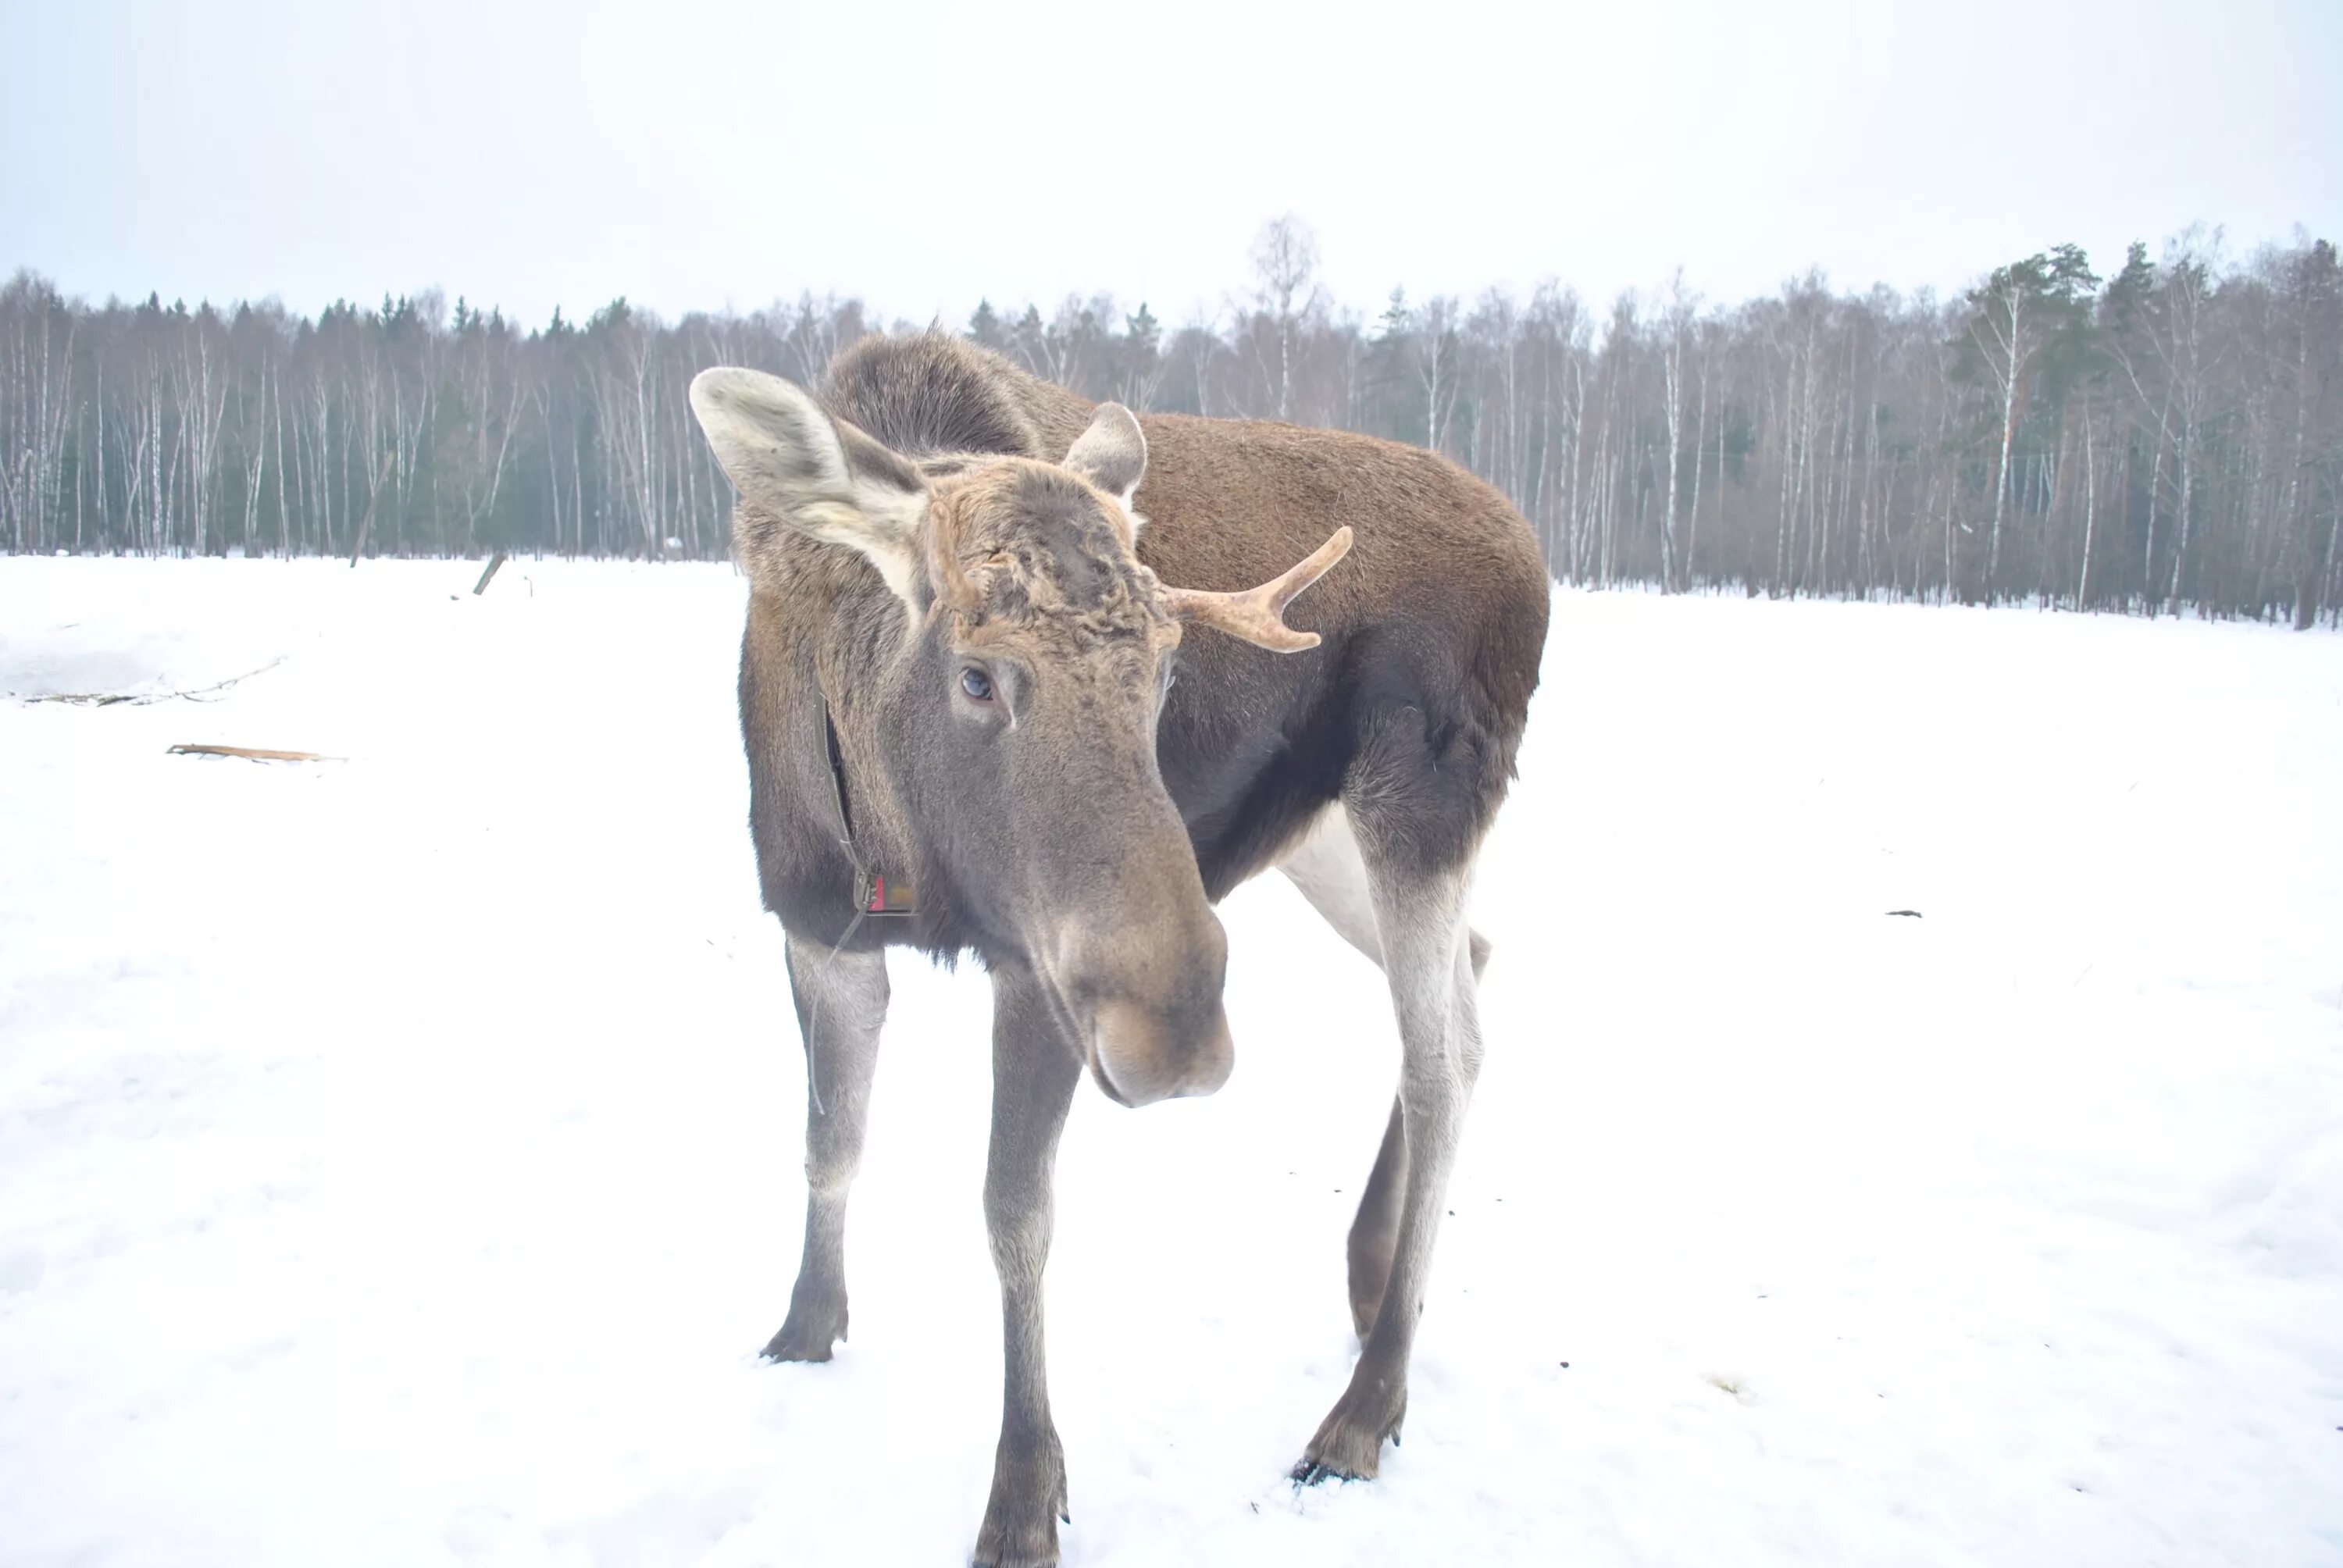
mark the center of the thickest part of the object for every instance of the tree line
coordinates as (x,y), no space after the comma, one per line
(2167,436)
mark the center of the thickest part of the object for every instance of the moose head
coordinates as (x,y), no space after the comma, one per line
(1014,703)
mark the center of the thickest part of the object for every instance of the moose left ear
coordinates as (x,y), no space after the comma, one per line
(798,469)
(1111,453)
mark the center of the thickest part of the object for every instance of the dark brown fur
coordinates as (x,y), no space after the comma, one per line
(1415,702)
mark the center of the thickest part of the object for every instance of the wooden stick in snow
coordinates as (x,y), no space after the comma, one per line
(482,585)
(252,753)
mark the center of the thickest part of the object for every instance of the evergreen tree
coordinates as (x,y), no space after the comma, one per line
(984,327)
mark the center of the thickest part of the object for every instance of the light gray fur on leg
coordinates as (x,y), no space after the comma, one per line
(1428,960)
(1329,869)
(841,1003)
(1035,1069)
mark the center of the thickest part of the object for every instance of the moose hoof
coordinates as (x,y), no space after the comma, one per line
(1028,1499)
(812,1328)
(1350,1442)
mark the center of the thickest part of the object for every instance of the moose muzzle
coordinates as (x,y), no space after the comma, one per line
(1156,1028)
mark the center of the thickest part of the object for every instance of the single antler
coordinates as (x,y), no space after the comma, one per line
(1257,615)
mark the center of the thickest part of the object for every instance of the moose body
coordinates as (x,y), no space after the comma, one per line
(968,669)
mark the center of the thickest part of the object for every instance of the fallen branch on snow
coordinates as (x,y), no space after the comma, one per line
(253,754)
(141,698)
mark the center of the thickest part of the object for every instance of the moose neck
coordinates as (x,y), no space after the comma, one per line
(864,810)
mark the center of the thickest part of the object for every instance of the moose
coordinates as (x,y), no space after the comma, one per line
(1018,680)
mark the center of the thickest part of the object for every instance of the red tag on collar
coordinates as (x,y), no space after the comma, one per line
(878,896)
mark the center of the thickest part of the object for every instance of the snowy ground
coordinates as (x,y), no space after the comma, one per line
(398,1156)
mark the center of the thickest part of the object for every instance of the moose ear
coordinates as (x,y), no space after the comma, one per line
(1113,455)
(797,469)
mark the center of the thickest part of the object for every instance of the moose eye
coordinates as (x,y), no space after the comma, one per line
(977,684)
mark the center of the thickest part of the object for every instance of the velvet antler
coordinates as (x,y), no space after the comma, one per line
(1257,615)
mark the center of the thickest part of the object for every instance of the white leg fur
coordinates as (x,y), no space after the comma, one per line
(1331,873)
(1426,950)
(841,1003)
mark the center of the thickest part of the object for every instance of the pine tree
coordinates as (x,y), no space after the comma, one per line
(2019,324)
(984,327)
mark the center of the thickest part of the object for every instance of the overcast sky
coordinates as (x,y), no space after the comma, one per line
(922,156)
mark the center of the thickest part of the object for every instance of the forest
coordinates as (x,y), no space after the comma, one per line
(2166,436)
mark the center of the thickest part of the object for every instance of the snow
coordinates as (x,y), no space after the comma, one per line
(398,1155)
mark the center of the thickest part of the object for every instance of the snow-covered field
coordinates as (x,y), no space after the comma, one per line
(398,1156)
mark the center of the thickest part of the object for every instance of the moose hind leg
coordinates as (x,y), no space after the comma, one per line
(841,1001)
(1429,962)
(1374,1233)
(1329,871)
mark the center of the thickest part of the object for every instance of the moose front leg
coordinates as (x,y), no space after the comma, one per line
(1034,1070)
(841,1001)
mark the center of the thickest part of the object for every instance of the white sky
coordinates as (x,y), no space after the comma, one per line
(697,154)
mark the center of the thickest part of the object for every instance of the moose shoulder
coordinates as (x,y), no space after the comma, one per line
(1030,678)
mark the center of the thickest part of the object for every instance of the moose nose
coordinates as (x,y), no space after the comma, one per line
(1157,1026)
(1142,1057)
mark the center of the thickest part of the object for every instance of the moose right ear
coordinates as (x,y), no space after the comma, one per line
(1113,455)
(797,467)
